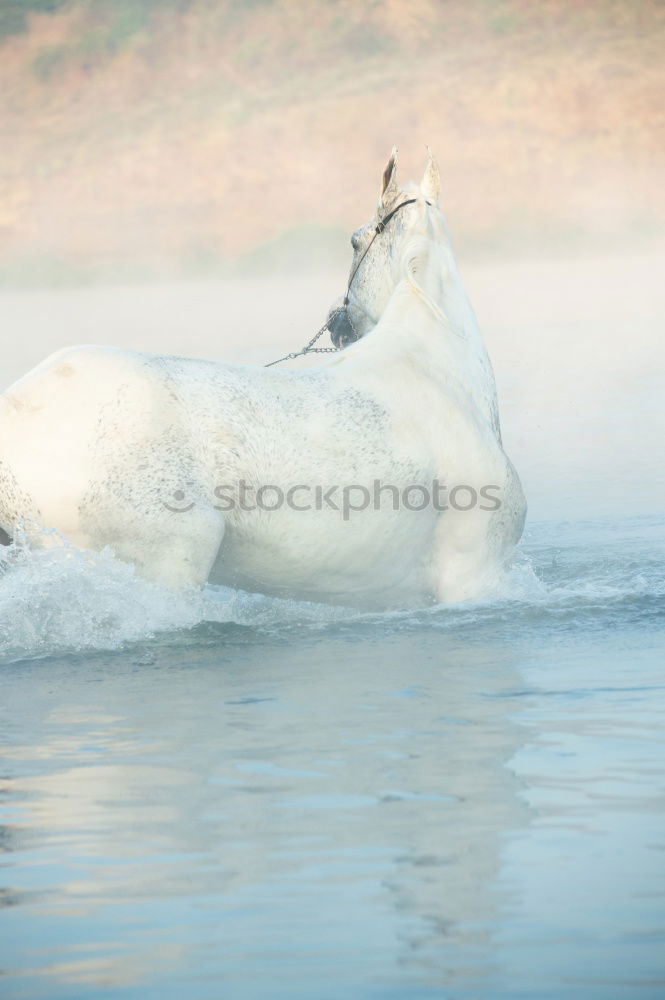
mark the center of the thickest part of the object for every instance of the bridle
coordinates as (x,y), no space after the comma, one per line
(309,348)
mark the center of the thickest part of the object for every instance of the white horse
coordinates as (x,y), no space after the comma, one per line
(377,479)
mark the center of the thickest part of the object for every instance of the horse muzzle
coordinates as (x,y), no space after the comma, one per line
(342,331)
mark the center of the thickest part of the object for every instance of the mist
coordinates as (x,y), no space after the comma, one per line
(169,186)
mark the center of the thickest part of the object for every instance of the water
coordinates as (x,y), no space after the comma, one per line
(226,796)
(223,795)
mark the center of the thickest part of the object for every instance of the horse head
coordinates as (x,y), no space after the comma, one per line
(378,250)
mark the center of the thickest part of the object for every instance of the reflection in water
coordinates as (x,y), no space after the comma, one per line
(451,803)
(269,814)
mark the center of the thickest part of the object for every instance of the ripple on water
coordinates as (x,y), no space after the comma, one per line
(565,577)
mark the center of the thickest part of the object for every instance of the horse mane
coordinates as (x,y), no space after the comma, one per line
(416,259)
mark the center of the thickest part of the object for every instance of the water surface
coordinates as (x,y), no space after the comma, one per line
(225,795)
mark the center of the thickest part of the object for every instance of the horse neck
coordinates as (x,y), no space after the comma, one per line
(430,264)
(429,318)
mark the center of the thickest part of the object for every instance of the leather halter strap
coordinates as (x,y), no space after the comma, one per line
(378,229)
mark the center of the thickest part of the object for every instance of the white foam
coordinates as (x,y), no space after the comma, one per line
(61,599)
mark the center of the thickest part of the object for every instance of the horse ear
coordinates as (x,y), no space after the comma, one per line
(389,179)
(431,182)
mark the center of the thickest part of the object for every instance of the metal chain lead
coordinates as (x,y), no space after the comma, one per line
(309,348)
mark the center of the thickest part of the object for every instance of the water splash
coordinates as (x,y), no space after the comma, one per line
(61,600)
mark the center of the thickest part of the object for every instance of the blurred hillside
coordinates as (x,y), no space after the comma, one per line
(175,136)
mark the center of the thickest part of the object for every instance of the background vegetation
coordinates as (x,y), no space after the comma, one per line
(175,136)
